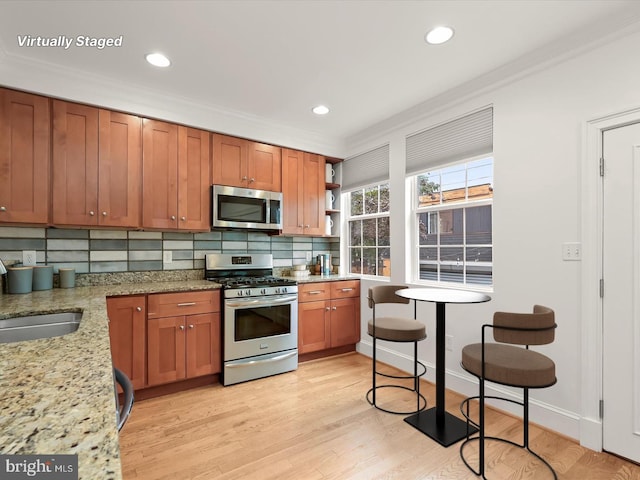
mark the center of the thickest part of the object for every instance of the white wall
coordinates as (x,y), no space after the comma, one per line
(539,122)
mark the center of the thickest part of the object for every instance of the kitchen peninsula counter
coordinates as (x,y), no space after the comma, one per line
(56,394)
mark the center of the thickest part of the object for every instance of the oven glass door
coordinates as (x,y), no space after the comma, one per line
(260,322)
(260,325)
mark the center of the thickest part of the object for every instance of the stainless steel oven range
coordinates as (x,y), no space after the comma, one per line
(260,316)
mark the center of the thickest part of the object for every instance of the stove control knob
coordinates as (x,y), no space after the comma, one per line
(239,293)
(263,291)
(284,290)
(247,292)
(277,289)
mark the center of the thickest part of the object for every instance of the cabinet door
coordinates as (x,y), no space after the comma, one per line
(313,326)
(24,157)
(345,321)
(75,164)
(127,319)
(166,350)
(159,174)
(313,204)
(194,179)
(265,167)
(119,169)
(230,156)
(203,344)
(292,192)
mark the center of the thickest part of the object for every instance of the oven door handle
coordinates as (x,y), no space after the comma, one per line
(261,302)
(267,360)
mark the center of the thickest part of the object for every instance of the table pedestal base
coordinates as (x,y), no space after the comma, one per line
(451,431)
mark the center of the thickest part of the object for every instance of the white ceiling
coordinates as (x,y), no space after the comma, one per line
(271,61)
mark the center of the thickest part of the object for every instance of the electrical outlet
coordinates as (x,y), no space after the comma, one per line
(308,256)
(449,343)
(28,257)
(167,256)
(571,251)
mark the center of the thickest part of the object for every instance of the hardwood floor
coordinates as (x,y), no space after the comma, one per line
(315,423)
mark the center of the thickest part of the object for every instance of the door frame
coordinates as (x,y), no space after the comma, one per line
(591,304)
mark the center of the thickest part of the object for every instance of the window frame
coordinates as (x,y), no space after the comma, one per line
(414,233)
(348,218)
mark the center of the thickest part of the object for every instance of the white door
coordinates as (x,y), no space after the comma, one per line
(621,301)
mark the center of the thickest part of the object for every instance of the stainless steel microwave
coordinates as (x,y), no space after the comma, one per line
(235,207)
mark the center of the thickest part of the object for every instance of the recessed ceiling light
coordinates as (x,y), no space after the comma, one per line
(157,59)
(320,110)
(439,35)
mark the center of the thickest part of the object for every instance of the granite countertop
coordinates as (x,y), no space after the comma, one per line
(323,278)
(56,394)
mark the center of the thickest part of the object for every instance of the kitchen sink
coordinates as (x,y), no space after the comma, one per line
(33,327)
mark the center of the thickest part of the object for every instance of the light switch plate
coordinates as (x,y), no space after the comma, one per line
(571,251)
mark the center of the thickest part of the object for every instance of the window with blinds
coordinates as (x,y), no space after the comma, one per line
(365,183)
(451,168)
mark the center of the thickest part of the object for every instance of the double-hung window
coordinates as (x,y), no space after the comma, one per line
(450,175)
(366,201)
(453,223)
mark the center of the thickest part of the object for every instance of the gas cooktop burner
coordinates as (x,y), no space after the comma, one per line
(244,282)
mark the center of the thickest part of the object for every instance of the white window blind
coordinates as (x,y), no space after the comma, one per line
(365,169)
(465,137)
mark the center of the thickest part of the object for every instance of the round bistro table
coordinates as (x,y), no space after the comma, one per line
(436,422)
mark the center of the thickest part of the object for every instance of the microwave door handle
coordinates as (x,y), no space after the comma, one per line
(261,302)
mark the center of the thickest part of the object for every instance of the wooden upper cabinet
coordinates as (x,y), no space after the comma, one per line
(24,157)
(230,157)
(242,163)
(176,178)
(159,174)
(313,176)
(292,194)
(96,166)
(303,194)
(119,169)
(194,179)
(264,167)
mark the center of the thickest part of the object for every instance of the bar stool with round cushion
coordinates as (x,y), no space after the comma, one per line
(395,329)
(505,363)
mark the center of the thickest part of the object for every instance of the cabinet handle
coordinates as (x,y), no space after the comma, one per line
(139,309)
(190,326)
(244,177)
(92,213)
(183,218)
(181,327)
(314,292)
(334,308)
(306,226)
(251,180)
(3,209)
(173,217)
(104,214)
(347,289)
(186,304)
(300,226)
(327,309)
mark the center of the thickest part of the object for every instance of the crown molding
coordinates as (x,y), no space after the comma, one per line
(52,80)
(536,61)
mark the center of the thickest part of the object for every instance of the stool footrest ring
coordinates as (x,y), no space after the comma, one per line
(423,400)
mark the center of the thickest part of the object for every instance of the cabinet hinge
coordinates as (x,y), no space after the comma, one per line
(602,166)
(601,409)
(602,288)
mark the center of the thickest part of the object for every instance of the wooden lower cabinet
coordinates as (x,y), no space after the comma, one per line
(183,346)
(127,319)
(328,315)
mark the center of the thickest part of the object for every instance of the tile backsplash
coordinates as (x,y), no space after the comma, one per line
(101,251)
